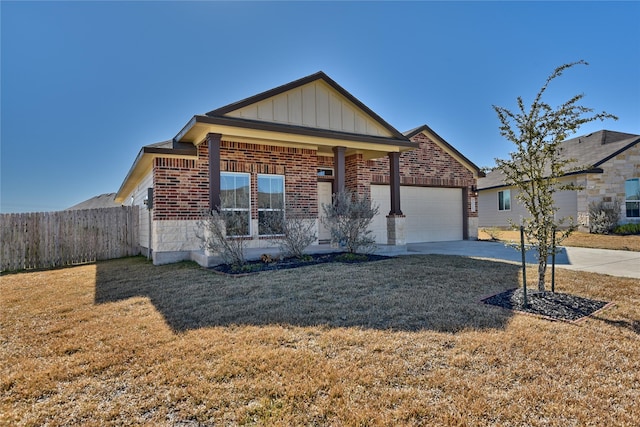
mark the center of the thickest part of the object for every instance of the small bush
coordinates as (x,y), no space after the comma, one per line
(294,231)
(627,229)
(493,232)
(214,238)
(348,219)
(603,216)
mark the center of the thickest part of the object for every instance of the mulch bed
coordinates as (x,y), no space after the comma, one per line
(252,267)
(555,306)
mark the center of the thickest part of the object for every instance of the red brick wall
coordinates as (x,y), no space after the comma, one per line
(428,166)
(181,187)
(298,165)
(357,175)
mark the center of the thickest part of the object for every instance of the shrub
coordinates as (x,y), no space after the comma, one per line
(493,232)
(603,216)
(627,229)
(295,230)
(214,239)
(348,219)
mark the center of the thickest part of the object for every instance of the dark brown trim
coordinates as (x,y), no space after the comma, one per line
(301,82)
(182,151)
(213,141)
(394,183)
(297,130)
(339,170)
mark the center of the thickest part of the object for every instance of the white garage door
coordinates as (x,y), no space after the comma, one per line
(432,214)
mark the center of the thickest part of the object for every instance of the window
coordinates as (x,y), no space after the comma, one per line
(632,197)
(235,198)
(270,204)
(504,200)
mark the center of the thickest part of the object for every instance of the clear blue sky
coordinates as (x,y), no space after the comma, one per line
(86,84)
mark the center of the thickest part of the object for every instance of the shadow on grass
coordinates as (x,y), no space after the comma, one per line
(407,293)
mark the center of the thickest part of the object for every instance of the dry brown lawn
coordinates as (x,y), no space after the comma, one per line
(578,239)
(397,342)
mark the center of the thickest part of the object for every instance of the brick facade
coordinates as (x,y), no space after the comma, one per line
(428,166)
(181,187)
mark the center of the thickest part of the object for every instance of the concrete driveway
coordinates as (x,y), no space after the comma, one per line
(614,263)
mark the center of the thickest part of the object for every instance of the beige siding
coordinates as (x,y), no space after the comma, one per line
(315,105)
(139,194)
(490,216)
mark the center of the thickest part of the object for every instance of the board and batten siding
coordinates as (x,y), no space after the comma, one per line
(315,105)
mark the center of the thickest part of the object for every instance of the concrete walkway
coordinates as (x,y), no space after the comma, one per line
(614,263)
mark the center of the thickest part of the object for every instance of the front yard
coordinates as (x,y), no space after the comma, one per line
(401,341)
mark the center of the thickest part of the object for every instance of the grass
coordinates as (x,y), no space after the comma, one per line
(396,342)
(577,239)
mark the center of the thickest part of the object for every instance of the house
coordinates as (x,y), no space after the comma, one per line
(305,140)
(106,200)
(608,166)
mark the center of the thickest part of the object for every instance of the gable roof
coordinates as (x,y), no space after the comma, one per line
(588,151)
(445,146)
(314,106)
(274,93)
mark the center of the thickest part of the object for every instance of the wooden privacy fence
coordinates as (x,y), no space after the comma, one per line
(54,239)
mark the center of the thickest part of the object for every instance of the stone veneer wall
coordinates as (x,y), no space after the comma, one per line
(609,185)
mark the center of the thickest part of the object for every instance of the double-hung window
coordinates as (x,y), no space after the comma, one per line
(235,198)
(632,197)
(270,204)
(504,200)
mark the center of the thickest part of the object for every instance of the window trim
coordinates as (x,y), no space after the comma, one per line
(271,209)
(236,209)
(627,200)
(504,209)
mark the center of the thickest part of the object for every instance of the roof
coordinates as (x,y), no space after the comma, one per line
(589,152)
(445,145)
(224,119)
(102,201)
(320,75)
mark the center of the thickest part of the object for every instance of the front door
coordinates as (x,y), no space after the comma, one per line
(324,197)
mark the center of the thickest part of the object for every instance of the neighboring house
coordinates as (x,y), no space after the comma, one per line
(106,200)
(302,142)
(609,171)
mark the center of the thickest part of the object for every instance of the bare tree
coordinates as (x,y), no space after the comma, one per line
(216,236)
(293,228)
(536,166)
(348,219)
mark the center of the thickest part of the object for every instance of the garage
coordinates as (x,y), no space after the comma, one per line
(433,214)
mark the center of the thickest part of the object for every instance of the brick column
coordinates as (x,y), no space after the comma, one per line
(213,141)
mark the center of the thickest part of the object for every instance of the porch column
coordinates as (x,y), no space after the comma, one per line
(339,171)
(394,183)
(396,220)
(213,141)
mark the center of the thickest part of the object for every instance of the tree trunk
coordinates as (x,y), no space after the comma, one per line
(542,269)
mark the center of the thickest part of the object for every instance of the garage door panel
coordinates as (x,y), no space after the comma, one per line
(432,214)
